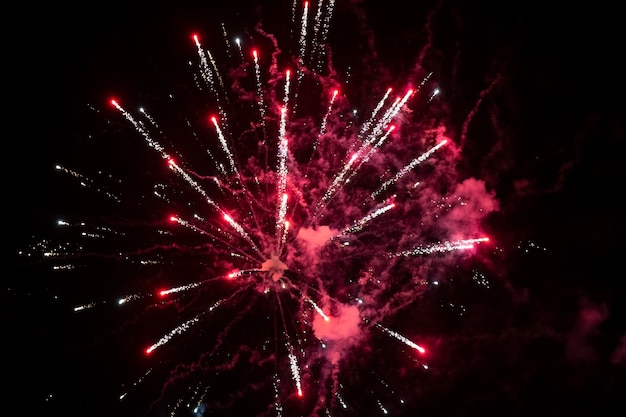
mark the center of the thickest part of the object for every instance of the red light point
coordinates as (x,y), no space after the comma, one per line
(254,54)
(114,102)
(173,218)
(195,37)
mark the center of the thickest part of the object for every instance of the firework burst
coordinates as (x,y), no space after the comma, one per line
(279,235)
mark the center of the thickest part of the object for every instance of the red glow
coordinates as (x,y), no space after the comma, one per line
(214,120)
(148,350)
(195,37)
(114,102)
(173,219)
(254,54)
(162,293)
(233,274)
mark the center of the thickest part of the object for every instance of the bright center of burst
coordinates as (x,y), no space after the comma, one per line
(275,267)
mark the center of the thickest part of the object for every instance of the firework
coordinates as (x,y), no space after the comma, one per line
(293,234)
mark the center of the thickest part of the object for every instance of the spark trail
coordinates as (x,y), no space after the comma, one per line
(304,229)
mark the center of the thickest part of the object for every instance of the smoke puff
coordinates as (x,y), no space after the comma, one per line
(339,332)
(344,325)
(314,238)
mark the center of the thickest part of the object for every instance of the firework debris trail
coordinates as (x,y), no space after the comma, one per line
(323,308)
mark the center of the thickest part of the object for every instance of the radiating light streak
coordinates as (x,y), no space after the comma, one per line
(180,329)
(129,298)
(140,128)
(322,130)
(174,166)
(181,288)
(389,114)
(302,40)
(325,27)
(205,70)
(401,338)
(282,165)
(213,237)
(225,35)
(280,222)
(336,183)
(208,74)
(365,151)
(318,309)
(211,202)
(278,407)
(149,118)
(359,224)
(238,43)
(442,247)
(225,148)
(325,118)
(317,25)
(84,307)
(242,272)
(259,89)
(370,120)
(433,95)
(408,168)
(137,382)
(242,233)
(286,90)
(295,371)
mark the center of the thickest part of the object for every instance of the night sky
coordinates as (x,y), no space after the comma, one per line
(531,96)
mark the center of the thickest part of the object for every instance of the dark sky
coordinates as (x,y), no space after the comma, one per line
(531,94)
